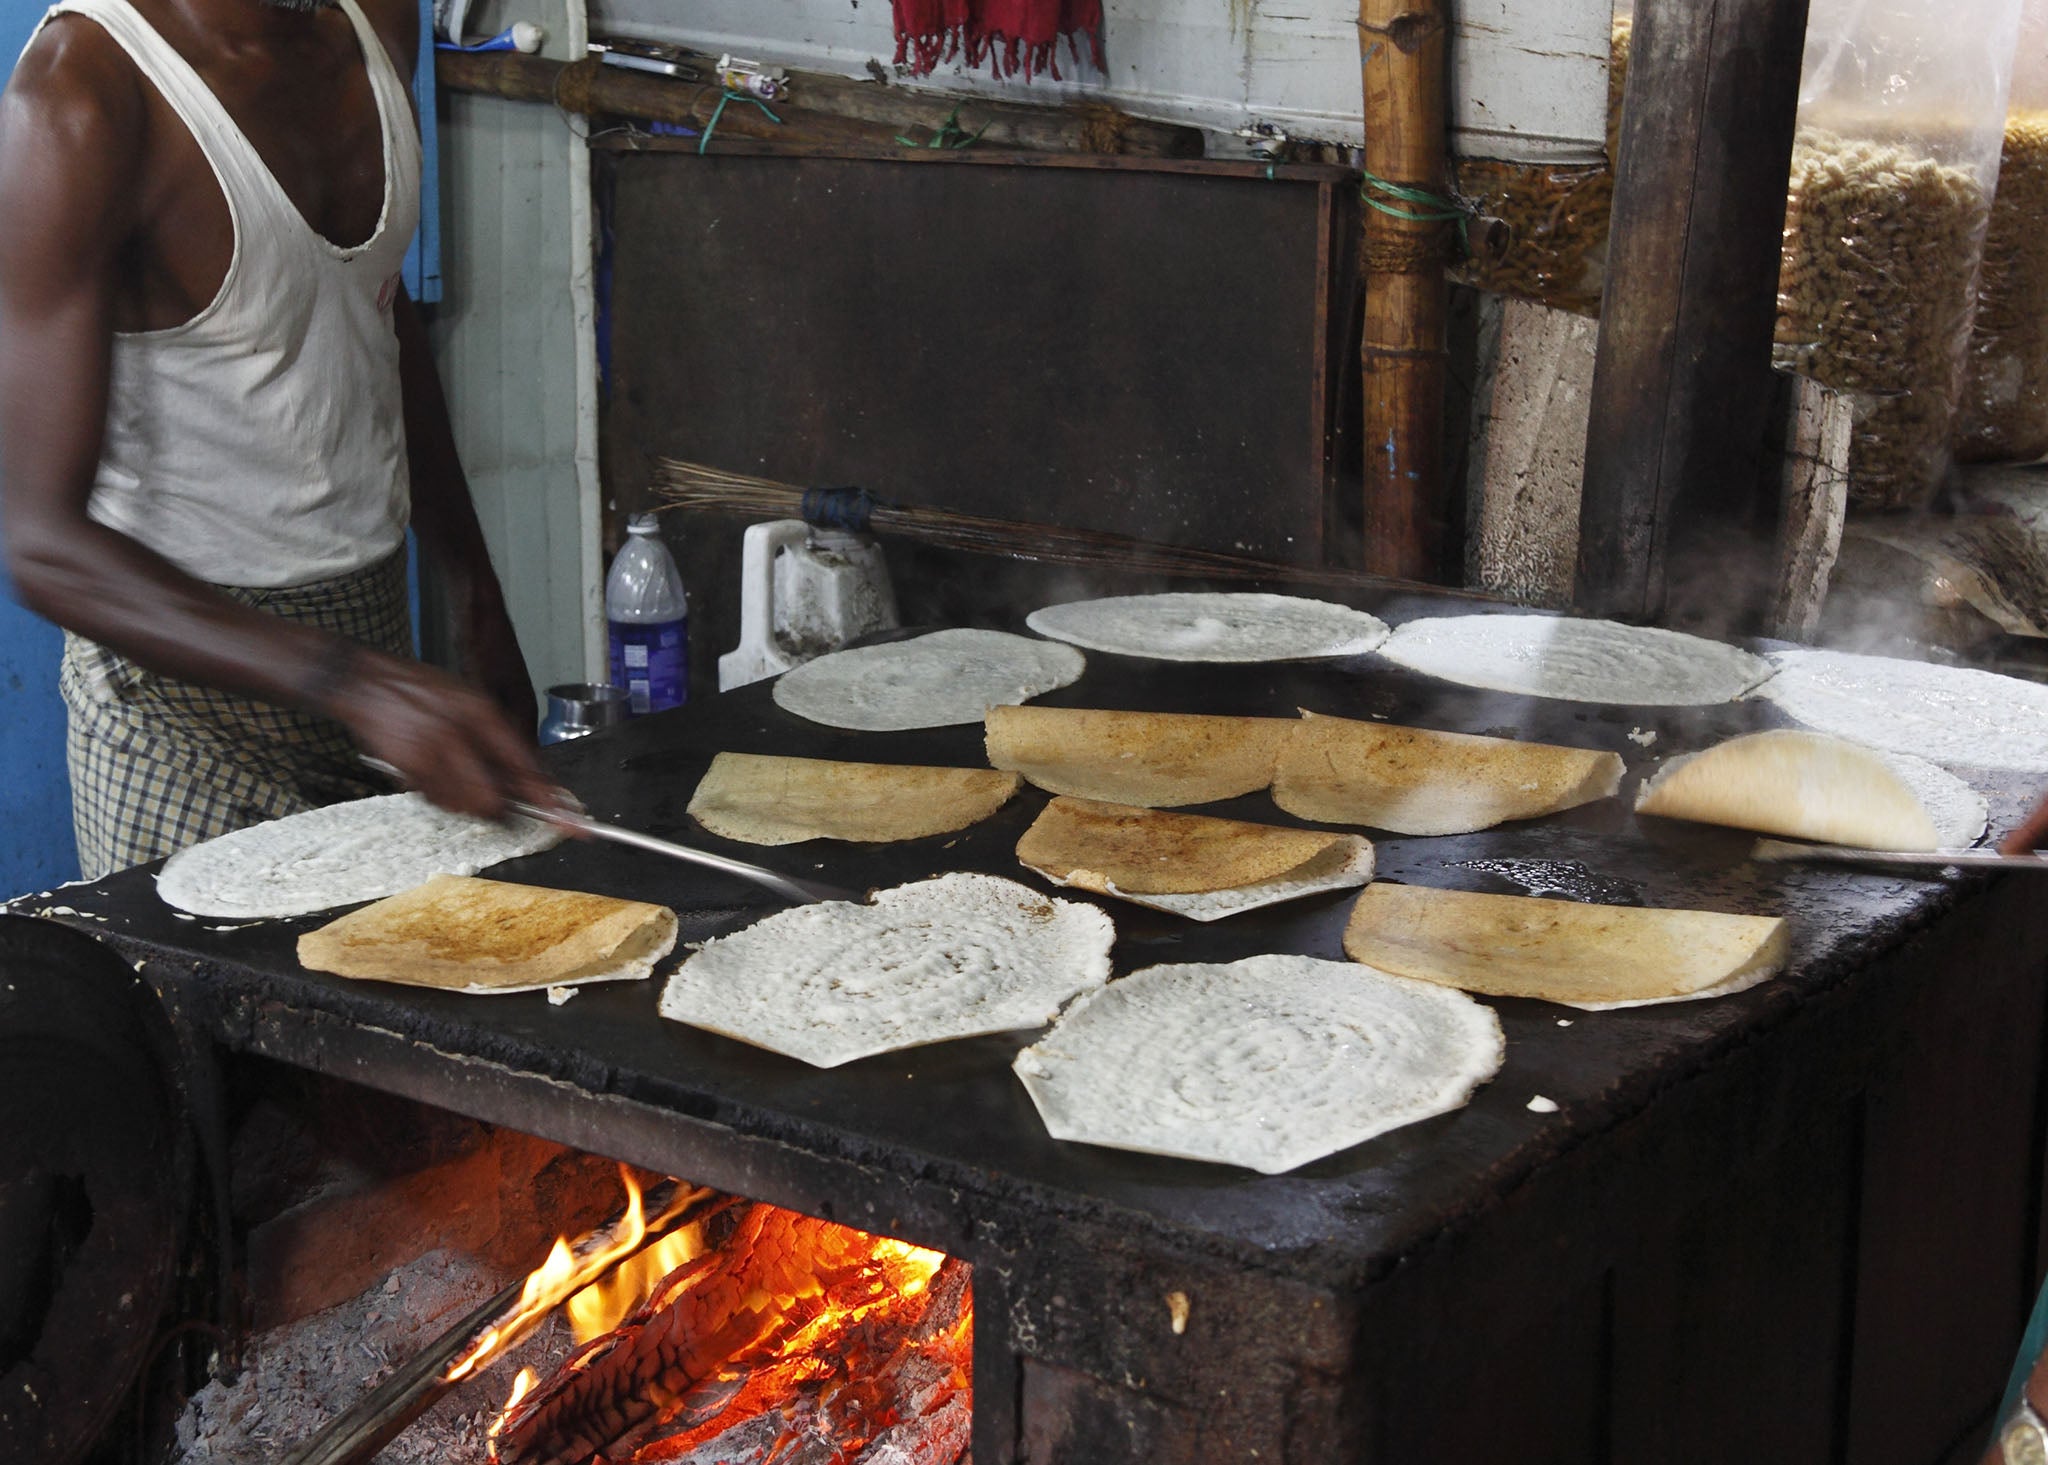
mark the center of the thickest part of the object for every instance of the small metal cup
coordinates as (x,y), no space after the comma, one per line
(578,709)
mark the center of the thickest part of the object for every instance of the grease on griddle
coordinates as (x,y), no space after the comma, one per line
(1560,879)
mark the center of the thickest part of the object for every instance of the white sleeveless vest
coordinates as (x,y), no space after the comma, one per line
(262,442)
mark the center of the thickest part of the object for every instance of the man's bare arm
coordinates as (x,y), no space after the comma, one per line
(72,148)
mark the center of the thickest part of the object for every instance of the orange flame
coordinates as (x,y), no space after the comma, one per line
(521,1387)
(798,1306)
(603,1305)
(563,1273)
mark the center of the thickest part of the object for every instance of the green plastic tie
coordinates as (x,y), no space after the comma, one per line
(1434,207)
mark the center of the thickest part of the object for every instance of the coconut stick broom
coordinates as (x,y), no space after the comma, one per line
(698,487)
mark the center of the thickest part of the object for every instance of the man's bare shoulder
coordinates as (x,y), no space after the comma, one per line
(74,87)
(72,132)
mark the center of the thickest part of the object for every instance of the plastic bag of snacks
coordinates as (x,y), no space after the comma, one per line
(1902,109)
(1556,247)
(2004,412)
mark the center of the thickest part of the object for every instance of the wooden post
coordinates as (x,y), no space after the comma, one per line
(1680,501)
(1401,53)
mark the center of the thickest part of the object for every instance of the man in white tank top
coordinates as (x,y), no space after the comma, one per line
(218,415)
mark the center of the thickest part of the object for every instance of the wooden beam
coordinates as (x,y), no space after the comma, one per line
(1680,501)
(1407,520)
(820,110)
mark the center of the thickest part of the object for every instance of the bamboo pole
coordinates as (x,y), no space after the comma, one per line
(1401,47)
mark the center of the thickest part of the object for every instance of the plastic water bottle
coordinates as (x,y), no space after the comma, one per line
(649,621)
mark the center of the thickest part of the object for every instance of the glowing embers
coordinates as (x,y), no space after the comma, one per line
(789,1339)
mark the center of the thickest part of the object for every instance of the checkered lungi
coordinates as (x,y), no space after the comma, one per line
(157,764)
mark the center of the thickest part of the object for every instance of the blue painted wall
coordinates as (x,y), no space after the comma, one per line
(35,800)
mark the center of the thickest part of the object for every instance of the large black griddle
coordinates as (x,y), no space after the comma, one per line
(941,1144)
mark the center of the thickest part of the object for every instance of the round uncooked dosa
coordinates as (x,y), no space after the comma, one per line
(1268,1063)
(1413,780)
(1107,847)
(954,957)
(770,800)
(1212,626)
(1559,950)
(1948,714)
(937,680)
(1576,660)
(1800,785)
(362,850)
(1152,759)
(1960,813)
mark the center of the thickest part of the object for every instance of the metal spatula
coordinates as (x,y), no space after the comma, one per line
(1779,851)
(788,887)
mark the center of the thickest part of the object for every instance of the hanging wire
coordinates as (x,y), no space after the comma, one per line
(719,111)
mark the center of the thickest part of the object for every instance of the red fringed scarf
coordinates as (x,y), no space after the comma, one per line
(1008,34)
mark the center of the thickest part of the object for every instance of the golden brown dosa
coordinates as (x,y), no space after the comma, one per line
(1411,780)
(1558,950)
(1803,785)
(1150,759)
(492,936)
(771,800)
(1143,851)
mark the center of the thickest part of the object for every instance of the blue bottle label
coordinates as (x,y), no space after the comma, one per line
(652,663)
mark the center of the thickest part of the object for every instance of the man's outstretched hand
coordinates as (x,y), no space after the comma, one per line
(452,742)
(2030,836)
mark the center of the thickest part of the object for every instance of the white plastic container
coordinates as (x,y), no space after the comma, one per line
(648,617)
(803,592)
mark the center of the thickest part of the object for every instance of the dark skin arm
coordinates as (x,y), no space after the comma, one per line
(73,193)
(2030,836)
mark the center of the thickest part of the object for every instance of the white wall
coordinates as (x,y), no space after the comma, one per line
(514,345)
(1529,77)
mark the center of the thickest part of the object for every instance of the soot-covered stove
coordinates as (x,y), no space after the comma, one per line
(1800,1222)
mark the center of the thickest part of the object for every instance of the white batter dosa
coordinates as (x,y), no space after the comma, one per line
(362,850)
(1269,1063)
(1806,785)
(1949,714)
(1960,813)
(1576,660)
(1212,626)
(954,957)
(937,680)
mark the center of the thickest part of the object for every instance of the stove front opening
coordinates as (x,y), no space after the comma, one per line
(674,1325)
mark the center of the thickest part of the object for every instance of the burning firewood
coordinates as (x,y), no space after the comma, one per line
(831,1336)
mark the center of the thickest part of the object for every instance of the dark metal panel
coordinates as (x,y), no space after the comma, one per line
(1729,1326)
(1946,1232)
(1678,511)
(1142,351)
